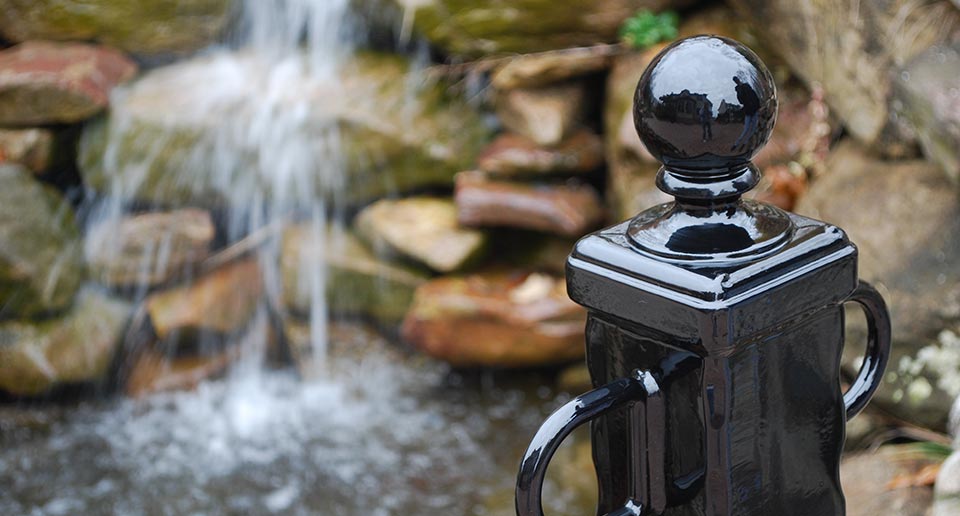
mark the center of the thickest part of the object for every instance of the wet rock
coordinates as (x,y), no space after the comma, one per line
(545,115)
(347,343)
(545,68)
(946,492)
(568,210)
(873,482)
(76,347)
(905,219)
(40,260)
(927,94)
(423,229)
(374,131)
(31,148)
(148,249)
(222,301)
(539,252)
(137,26)
(154,372)
(479,28)
(513,155)
(44,83)
(319,264)
(851,49)
(496,320)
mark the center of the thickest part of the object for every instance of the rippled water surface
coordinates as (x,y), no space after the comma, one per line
(377,435)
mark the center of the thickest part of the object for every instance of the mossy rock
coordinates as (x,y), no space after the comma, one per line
(472,28)
(137,26)
(40,257)
(355,281)
(77,347)
(170,142)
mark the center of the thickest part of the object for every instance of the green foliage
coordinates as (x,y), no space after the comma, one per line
(929,450)
(646,28)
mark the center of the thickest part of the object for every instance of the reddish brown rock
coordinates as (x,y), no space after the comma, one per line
(153,372)
(803,127)
(515,155)
(31,148)
(545,115)
(782,186)
(568,210)
(223,301)
(43,82)
(496,319)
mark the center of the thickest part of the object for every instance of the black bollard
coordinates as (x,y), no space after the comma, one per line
(715,324)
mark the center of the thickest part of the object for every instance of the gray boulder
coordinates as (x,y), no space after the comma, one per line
(905,218)
(852,49)
(927,94)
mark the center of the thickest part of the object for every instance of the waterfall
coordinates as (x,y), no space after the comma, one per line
(263,149)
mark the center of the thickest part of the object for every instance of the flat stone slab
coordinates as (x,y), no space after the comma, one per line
(543,68)
(423,229)
(496,320)
(566,210)
(514,155)
(149,249)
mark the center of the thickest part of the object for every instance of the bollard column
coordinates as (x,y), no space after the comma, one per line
(730,309)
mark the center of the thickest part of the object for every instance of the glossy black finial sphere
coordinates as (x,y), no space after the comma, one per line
(705,104)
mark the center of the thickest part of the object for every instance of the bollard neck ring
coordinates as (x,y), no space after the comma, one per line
(708,186)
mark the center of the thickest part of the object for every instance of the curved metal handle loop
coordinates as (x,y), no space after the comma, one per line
(878,349)
(641,388)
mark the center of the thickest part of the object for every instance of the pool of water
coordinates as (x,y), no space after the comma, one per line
(373,434)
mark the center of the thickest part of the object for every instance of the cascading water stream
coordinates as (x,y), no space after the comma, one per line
(263,151)
(373,433)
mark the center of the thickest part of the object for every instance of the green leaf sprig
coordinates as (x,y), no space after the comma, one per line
(645,28)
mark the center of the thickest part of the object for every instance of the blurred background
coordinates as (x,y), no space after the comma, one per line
(306,256)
